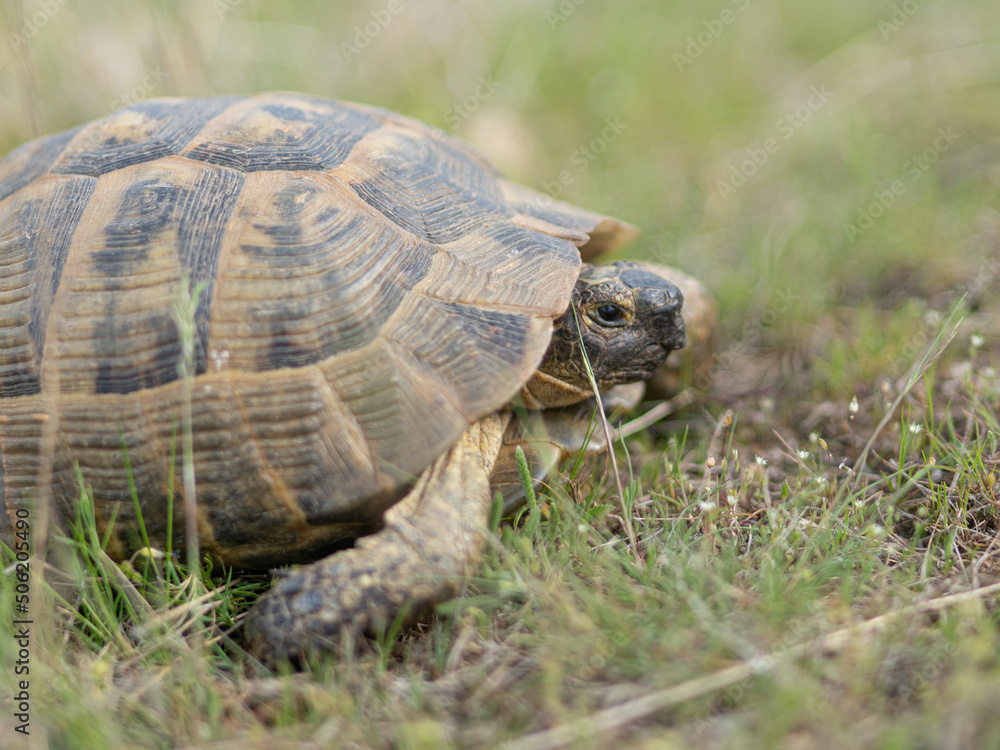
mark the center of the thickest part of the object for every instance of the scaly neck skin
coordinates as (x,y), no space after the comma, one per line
(544,391)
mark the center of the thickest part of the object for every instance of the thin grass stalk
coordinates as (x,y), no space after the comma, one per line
(184,314)
(626,512)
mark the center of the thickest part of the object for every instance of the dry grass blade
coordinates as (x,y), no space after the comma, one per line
(634,710)
(934,350)
(179,619)
(658,412)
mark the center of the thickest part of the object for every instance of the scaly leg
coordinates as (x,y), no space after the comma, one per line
(430,544)
(550,436)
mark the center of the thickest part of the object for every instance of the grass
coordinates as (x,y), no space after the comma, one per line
(759,530)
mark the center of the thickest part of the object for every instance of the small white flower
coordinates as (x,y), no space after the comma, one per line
(853,406)
(736,455)
(976,341)
(710,462)
(876,530)
(761,461)
(821,481)
(706,505)
(915,428)
(803,455)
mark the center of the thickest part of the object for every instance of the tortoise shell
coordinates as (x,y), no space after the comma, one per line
(370,287)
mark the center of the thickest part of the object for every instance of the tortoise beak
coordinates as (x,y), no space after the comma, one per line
(661,305)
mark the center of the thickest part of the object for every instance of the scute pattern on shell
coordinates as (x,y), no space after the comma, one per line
(371,287)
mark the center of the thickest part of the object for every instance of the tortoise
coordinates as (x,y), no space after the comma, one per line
(374,299)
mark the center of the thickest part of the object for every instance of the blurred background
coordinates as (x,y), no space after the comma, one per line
(825,168)
(830,172)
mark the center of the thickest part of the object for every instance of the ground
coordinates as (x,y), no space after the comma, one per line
(799,559)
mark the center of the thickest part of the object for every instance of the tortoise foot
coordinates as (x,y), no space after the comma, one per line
(428,547)
(350,592)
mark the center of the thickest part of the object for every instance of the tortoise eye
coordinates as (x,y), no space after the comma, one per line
(609,315)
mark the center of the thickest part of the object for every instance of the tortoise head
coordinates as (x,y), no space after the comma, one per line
(628,318)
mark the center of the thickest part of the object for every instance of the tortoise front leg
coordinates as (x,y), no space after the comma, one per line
(550,436)
(430,544)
